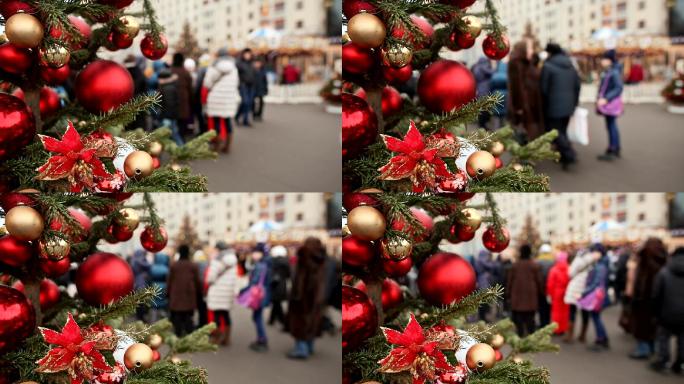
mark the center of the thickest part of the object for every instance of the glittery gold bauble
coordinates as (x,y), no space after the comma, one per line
(497,341)
(346,231)
(55,248)
(138,357)
(155,341)
(155,149)
(3,38)
(3,230)
(346,38)
(24,30)
(497,149)
(176,167)
(474,25)
(366,223)
(480,357)
(518,360)
(130,26)
(176,360)
(24,223)
(55,56)
(473,218)
(517,167)
(480,165)
(396,249)
(366,30)
(371,190)
(138,165)
(129,218)
(396,55)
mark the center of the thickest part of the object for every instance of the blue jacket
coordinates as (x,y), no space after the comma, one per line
(260,268)
(598,278)
(500,85)
(141,269)
(613,76)
(483,71)
(159,272)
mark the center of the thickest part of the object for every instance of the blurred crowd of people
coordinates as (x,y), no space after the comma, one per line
(299,286)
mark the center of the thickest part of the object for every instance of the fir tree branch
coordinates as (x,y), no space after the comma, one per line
(166,372)
(465,306)
(122,307)
(508,372)
(169,180)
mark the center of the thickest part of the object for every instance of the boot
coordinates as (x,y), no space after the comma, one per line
(215,336)
(583,334)
(225,145)
(570,333)
(225,336)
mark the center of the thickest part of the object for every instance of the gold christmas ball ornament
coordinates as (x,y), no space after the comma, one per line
(155,149)
(24,223)
(138,165)
(480,165)
(346,231)
(176,360)
(366,223)
(366,30)
(497,341)
(155,341)
(517,167)
(474,25)
(55,248)
(176,167)
(129,218)
(518,360)
(396,55)
(345,38)
(480,357)
(396,249)
(138,357)
(497,149)
(55,56)
(473,218)
(3,38)
(24,30)
(129,26)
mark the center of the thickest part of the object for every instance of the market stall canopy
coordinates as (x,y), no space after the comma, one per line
(265,37)
(265,226)
(606,226)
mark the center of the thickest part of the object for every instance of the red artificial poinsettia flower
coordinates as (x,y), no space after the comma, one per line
(421,357)
(416,161)
(74,354)
(74,161)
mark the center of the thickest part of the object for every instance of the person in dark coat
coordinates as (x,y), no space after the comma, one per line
(651,258)
(610,89)
(280,275)
(260,89)
(667,298)
(170,101)
(560,90)
(524,99)
(159,273)
(308,298)
(185,93)
(483,71)
(485,269)
(184,284)
(524,286)
(248,79)
(597,284)
(261,274)
(141,273)
(139,88)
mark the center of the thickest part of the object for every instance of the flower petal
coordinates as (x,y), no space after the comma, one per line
(414,139)
(57,360)
(398,360)
(399,167)
(414,331)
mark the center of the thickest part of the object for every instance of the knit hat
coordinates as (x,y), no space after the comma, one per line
(610,54)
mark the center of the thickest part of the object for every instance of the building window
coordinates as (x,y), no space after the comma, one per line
(250,208)
(642,216)
(300,24)
(300,197)
(300,5)
(642,197)
(300,217)
(280,217)
(642,24)
(621,217)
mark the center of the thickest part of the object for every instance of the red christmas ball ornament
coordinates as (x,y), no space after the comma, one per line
(12,199)
(156,163)
(498,355)
(397,268)
(352,7)
(120,232)
(103,85)
(463,4)
(464,196)
(445,278)
(14,60)
(418,235)
(15,253)
(445,86)
(460,233)
(359,318)
(151,50)
(17,126)
(84,29)
(391,293)
(492,242)
(499,163)
(55,76)
(356,60)
(116,3)
(49,293)
(117,40)
(391,100)
(359,125)
(460,40)
(357,252)
(354,199)
(50,102)
(149,240)
(417,42)
(458,376)
(84,222)
(18,318)
(54,268)
(9,8)
(397,76)
(103,278)
(156,355)
(492,49)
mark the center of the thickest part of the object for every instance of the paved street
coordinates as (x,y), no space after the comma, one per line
(296,149)
(239,364)
(652,157)
(575,364)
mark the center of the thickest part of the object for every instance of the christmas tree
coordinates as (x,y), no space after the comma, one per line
(529,234)
(392,143)
(187,43)
(393,334)
(674,91)
(81,146)
(188,235)
(48,336)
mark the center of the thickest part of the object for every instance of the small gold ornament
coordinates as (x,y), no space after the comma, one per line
(346,231)
(473,218)
(3,230)
(518,360)
(24,223)
(176,167)
(497,149)
(155,341)
(129,218)
(480,165)
(138,357)
(497,341)
(130,26)
(24,30)
(55,56)
(366,30)
(138,165)
(371,191)
(366,223)
(176,360)
(346,38)
(396,55)
(517,167)
(474,25)
(155,149)
(3,38)
(55,248)
(480,357)
(396,249)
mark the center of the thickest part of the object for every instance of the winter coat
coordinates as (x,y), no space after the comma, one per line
(247,73)
(560,87)
(159,272)
(525,100)
(290,74)
(483,71)
(579,269)
(499,84)
(524,286)
(486,270)
(222,82)
(667,293)
(170,97)
(642,309)
(308,298)
(598,279)
(139,82)
(556,284)
(261,83)
(184,285)
(280,273)
(185,92)
(222,281)
(611,79)
(261,268)
(141,269)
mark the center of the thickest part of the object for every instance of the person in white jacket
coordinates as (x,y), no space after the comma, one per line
(579,269)
(222,283)
(221,82)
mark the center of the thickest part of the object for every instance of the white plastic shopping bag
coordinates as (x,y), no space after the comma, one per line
(578,130)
